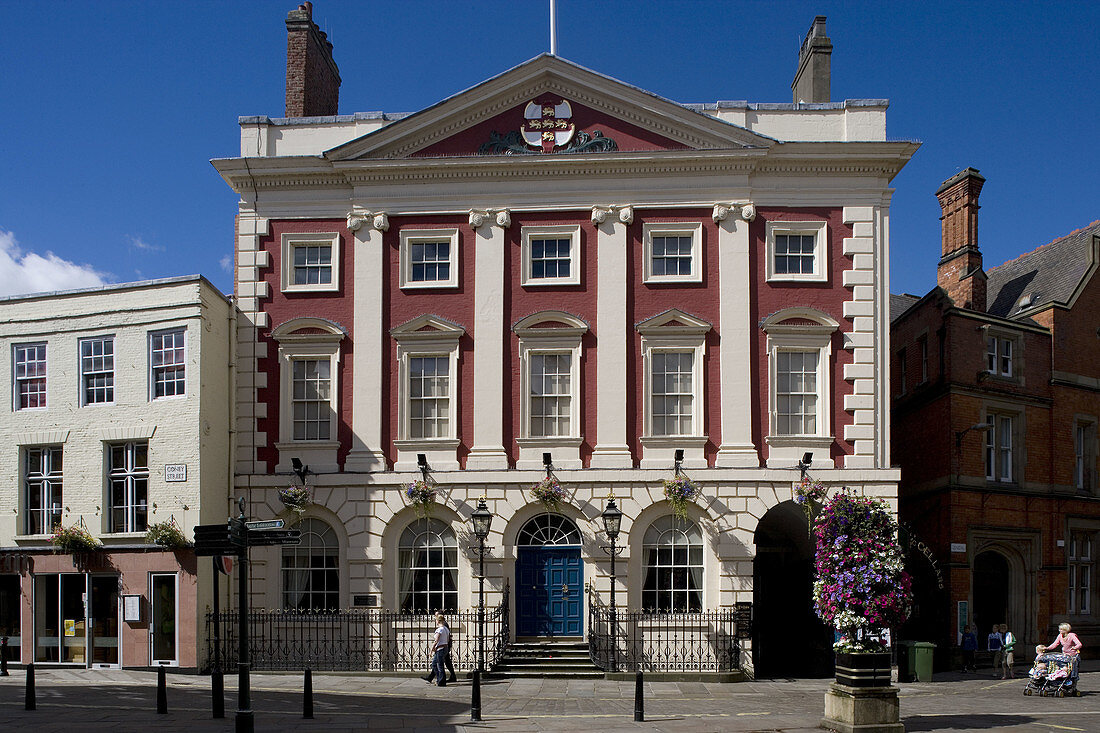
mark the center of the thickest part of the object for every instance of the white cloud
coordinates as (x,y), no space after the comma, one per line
(139,243)
(22,273)
(227,263)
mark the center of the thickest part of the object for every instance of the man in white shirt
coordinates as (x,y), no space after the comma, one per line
(440,643)
(994,643)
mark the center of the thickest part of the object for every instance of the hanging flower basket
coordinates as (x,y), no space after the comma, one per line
(421,496)
(810,495)
(167,534)
(680,492)
(861,586)
(74,539)
(296,498)
(549,493)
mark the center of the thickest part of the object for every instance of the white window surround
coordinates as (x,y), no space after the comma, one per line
(549,332)
(427,335)
(817,229)
(410,237)
(313,339)
(673,330)
(801,329)
(290,241)
(1006,361)
(693,230)
(572,232)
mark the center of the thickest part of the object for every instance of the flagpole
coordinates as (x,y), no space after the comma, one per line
(553,29)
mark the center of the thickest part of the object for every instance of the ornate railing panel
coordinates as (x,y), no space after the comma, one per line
(351,640)
(649,641)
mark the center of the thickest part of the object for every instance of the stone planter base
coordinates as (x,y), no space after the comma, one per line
(862,709)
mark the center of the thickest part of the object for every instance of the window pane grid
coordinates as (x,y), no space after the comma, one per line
(128,474)
(430,261)
(794,254)
(97,370)
(550,258)
(1080,572)
(796,392)
(30,376)
(429,397)
(671,255)
(312,264)
(673,398)
(551,397)
(310,399)
(167,359)
(43,489)
(673,553)
(428,567)
(311,580)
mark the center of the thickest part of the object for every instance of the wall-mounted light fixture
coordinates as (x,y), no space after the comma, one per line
(422,464)
(805,463)
(299,470)
(677,460)
(981,427)
(548,463)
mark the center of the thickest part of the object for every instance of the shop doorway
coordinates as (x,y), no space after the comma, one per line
(163,637)
(104,621)
(788,639)
(549,578)
(991,580)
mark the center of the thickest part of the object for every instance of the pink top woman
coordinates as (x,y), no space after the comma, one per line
(1067,639)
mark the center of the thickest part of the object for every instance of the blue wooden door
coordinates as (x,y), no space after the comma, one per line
(549,588)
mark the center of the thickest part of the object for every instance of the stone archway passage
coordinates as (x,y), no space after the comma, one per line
(991,583)
(788,639)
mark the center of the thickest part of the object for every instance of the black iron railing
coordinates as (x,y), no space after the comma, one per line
(651,641)
(354,639)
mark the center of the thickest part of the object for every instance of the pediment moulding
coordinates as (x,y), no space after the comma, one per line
(800,320)
(427,327)
(673,321)
(308,328)
(550,323)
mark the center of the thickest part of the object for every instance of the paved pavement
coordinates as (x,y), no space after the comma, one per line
(76,701)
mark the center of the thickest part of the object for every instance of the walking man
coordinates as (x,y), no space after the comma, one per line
(441,643)
(995,643)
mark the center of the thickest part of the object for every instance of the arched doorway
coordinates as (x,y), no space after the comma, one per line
(788,639)
(549,577)
(990,582)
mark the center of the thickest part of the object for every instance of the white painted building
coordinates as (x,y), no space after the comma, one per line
(116,419)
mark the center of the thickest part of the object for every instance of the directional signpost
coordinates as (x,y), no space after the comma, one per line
(234,538)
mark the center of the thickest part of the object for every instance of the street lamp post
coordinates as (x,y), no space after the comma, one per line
(612,520)
(482,519)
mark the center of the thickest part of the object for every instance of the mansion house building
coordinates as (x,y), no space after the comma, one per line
(555,272)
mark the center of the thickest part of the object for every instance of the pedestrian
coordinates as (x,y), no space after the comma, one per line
(447,659)
(1009,657)
(969,646)
(1067,639)
(441,640)
(995,643)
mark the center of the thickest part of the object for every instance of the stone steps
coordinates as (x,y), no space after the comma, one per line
(560,659)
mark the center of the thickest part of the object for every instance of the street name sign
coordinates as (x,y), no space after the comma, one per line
(264,524)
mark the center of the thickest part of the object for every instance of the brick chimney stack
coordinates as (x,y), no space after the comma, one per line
(811,81)
(312,79)
(960,270)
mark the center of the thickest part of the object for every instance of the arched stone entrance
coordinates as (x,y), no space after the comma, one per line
(991,585)
(788,639)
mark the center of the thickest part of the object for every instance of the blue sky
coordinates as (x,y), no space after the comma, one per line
(112,110)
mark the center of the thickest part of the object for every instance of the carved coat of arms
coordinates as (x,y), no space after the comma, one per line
(547,125)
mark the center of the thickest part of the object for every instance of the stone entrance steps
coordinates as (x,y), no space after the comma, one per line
(547,658)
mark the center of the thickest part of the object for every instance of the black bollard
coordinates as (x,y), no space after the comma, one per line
(475,697)
(4,657)
(639,700)
(217,688)
(162,692)
(307,695)
(29,704)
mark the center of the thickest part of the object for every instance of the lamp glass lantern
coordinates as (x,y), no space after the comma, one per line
(612,519)
(482,519)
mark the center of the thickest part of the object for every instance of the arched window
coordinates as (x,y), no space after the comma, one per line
(428,567)
(673,551)
(549,529)
(311,580)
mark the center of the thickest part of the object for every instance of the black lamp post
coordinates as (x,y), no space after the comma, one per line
(482,519)
(612,520)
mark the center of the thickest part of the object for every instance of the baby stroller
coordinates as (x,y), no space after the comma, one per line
(1054,675)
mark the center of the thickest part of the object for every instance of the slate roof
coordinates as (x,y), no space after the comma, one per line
(1048,274)
(899,303)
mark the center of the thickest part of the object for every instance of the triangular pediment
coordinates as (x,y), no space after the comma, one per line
(548,106)
(427,327)
(673,321)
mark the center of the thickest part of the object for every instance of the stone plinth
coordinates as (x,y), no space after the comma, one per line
(862,709)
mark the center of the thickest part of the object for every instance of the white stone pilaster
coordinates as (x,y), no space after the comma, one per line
(868,309)
(367,403)
(487,451)
(735,353)
(612,252)
(250,228)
